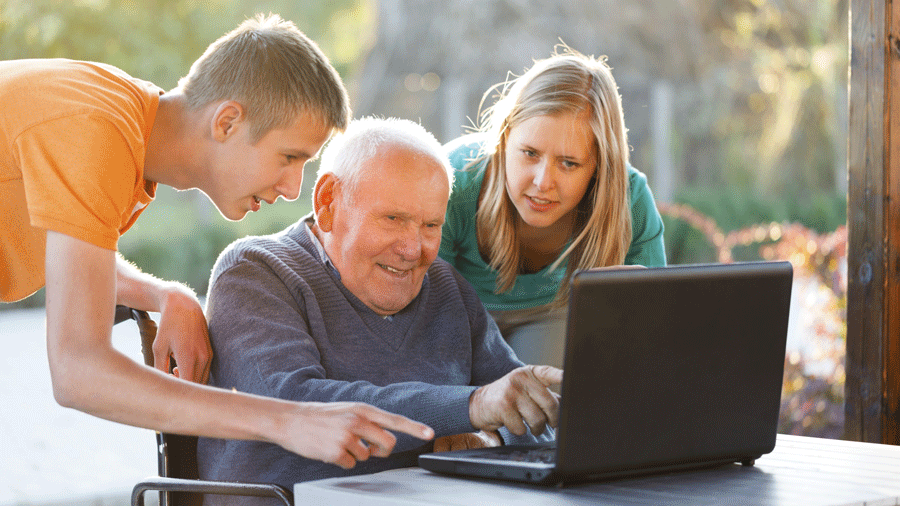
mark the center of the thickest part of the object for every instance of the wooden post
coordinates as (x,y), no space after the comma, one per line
(873,304)
(891,314)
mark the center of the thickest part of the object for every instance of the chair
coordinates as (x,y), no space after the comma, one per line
(178,482)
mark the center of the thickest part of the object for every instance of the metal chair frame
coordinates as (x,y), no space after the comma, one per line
(178,482)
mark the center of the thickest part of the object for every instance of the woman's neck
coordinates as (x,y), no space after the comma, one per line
(539,247)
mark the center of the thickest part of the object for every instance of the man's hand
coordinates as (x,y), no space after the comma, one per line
(521,397)
(182,334)
(343,433)
(182,331)
(467,441)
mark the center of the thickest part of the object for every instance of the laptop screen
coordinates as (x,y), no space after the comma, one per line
(671,365)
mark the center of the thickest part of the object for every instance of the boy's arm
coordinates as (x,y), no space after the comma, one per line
(182,332)
(88,374)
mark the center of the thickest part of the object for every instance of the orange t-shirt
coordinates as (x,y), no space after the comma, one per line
(72,142)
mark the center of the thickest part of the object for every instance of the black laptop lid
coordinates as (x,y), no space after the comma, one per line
(678,365)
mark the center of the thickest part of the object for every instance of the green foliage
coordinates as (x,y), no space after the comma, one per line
(685,244)
(733,209)
(738,209)
(158,40)
(765,97)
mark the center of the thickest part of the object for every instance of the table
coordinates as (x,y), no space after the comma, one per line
(800,471)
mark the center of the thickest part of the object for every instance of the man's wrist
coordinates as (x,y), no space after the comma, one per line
(174,293)
(473,412)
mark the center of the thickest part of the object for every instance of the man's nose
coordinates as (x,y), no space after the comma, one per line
(409,244)
(289,186)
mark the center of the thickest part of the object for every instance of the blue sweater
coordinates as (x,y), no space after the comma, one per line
(282,325)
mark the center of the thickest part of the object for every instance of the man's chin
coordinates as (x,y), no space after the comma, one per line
(237,217)
(233,214)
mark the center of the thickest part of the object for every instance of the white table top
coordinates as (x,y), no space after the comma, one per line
(800,471)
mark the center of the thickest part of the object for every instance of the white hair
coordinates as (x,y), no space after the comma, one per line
(347,153)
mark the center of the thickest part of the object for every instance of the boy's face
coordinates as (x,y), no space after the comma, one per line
(246,174)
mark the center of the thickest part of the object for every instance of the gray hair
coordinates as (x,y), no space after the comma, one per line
(347,154)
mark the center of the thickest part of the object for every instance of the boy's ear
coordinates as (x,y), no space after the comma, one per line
(226,117)
(324,202)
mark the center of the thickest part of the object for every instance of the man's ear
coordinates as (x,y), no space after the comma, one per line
(226,117)
(324,202)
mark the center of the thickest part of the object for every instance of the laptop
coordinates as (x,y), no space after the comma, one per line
(666,369)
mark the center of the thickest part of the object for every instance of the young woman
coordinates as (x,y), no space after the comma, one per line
(544,188)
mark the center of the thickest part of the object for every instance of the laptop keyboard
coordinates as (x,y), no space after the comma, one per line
(538,455)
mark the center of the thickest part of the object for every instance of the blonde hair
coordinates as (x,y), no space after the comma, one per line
(567,82)
(275,71)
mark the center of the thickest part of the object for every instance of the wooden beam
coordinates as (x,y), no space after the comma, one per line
(865,258)
(873,298)
(891,314)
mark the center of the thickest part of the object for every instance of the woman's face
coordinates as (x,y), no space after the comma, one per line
(550,161)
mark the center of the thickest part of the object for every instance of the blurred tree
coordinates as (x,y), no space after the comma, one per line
(758,87)
(780,125)
(157,40)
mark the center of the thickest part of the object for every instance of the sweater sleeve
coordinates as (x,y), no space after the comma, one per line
(263,341)
(492,356)
(647,245)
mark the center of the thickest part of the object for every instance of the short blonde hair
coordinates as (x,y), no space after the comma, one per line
(567,82)
(347,154)
(275,71)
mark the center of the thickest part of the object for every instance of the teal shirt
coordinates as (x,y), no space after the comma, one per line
(459,245)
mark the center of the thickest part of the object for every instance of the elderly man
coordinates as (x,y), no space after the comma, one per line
(350,304)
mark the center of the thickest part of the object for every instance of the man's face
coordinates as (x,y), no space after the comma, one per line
(384,241)
(247,174)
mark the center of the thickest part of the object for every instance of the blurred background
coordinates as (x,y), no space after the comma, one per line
(736,109)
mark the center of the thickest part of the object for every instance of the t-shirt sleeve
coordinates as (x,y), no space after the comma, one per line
(79,175)
(647,245)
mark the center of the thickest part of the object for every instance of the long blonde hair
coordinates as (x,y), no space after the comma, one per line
(567,82)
